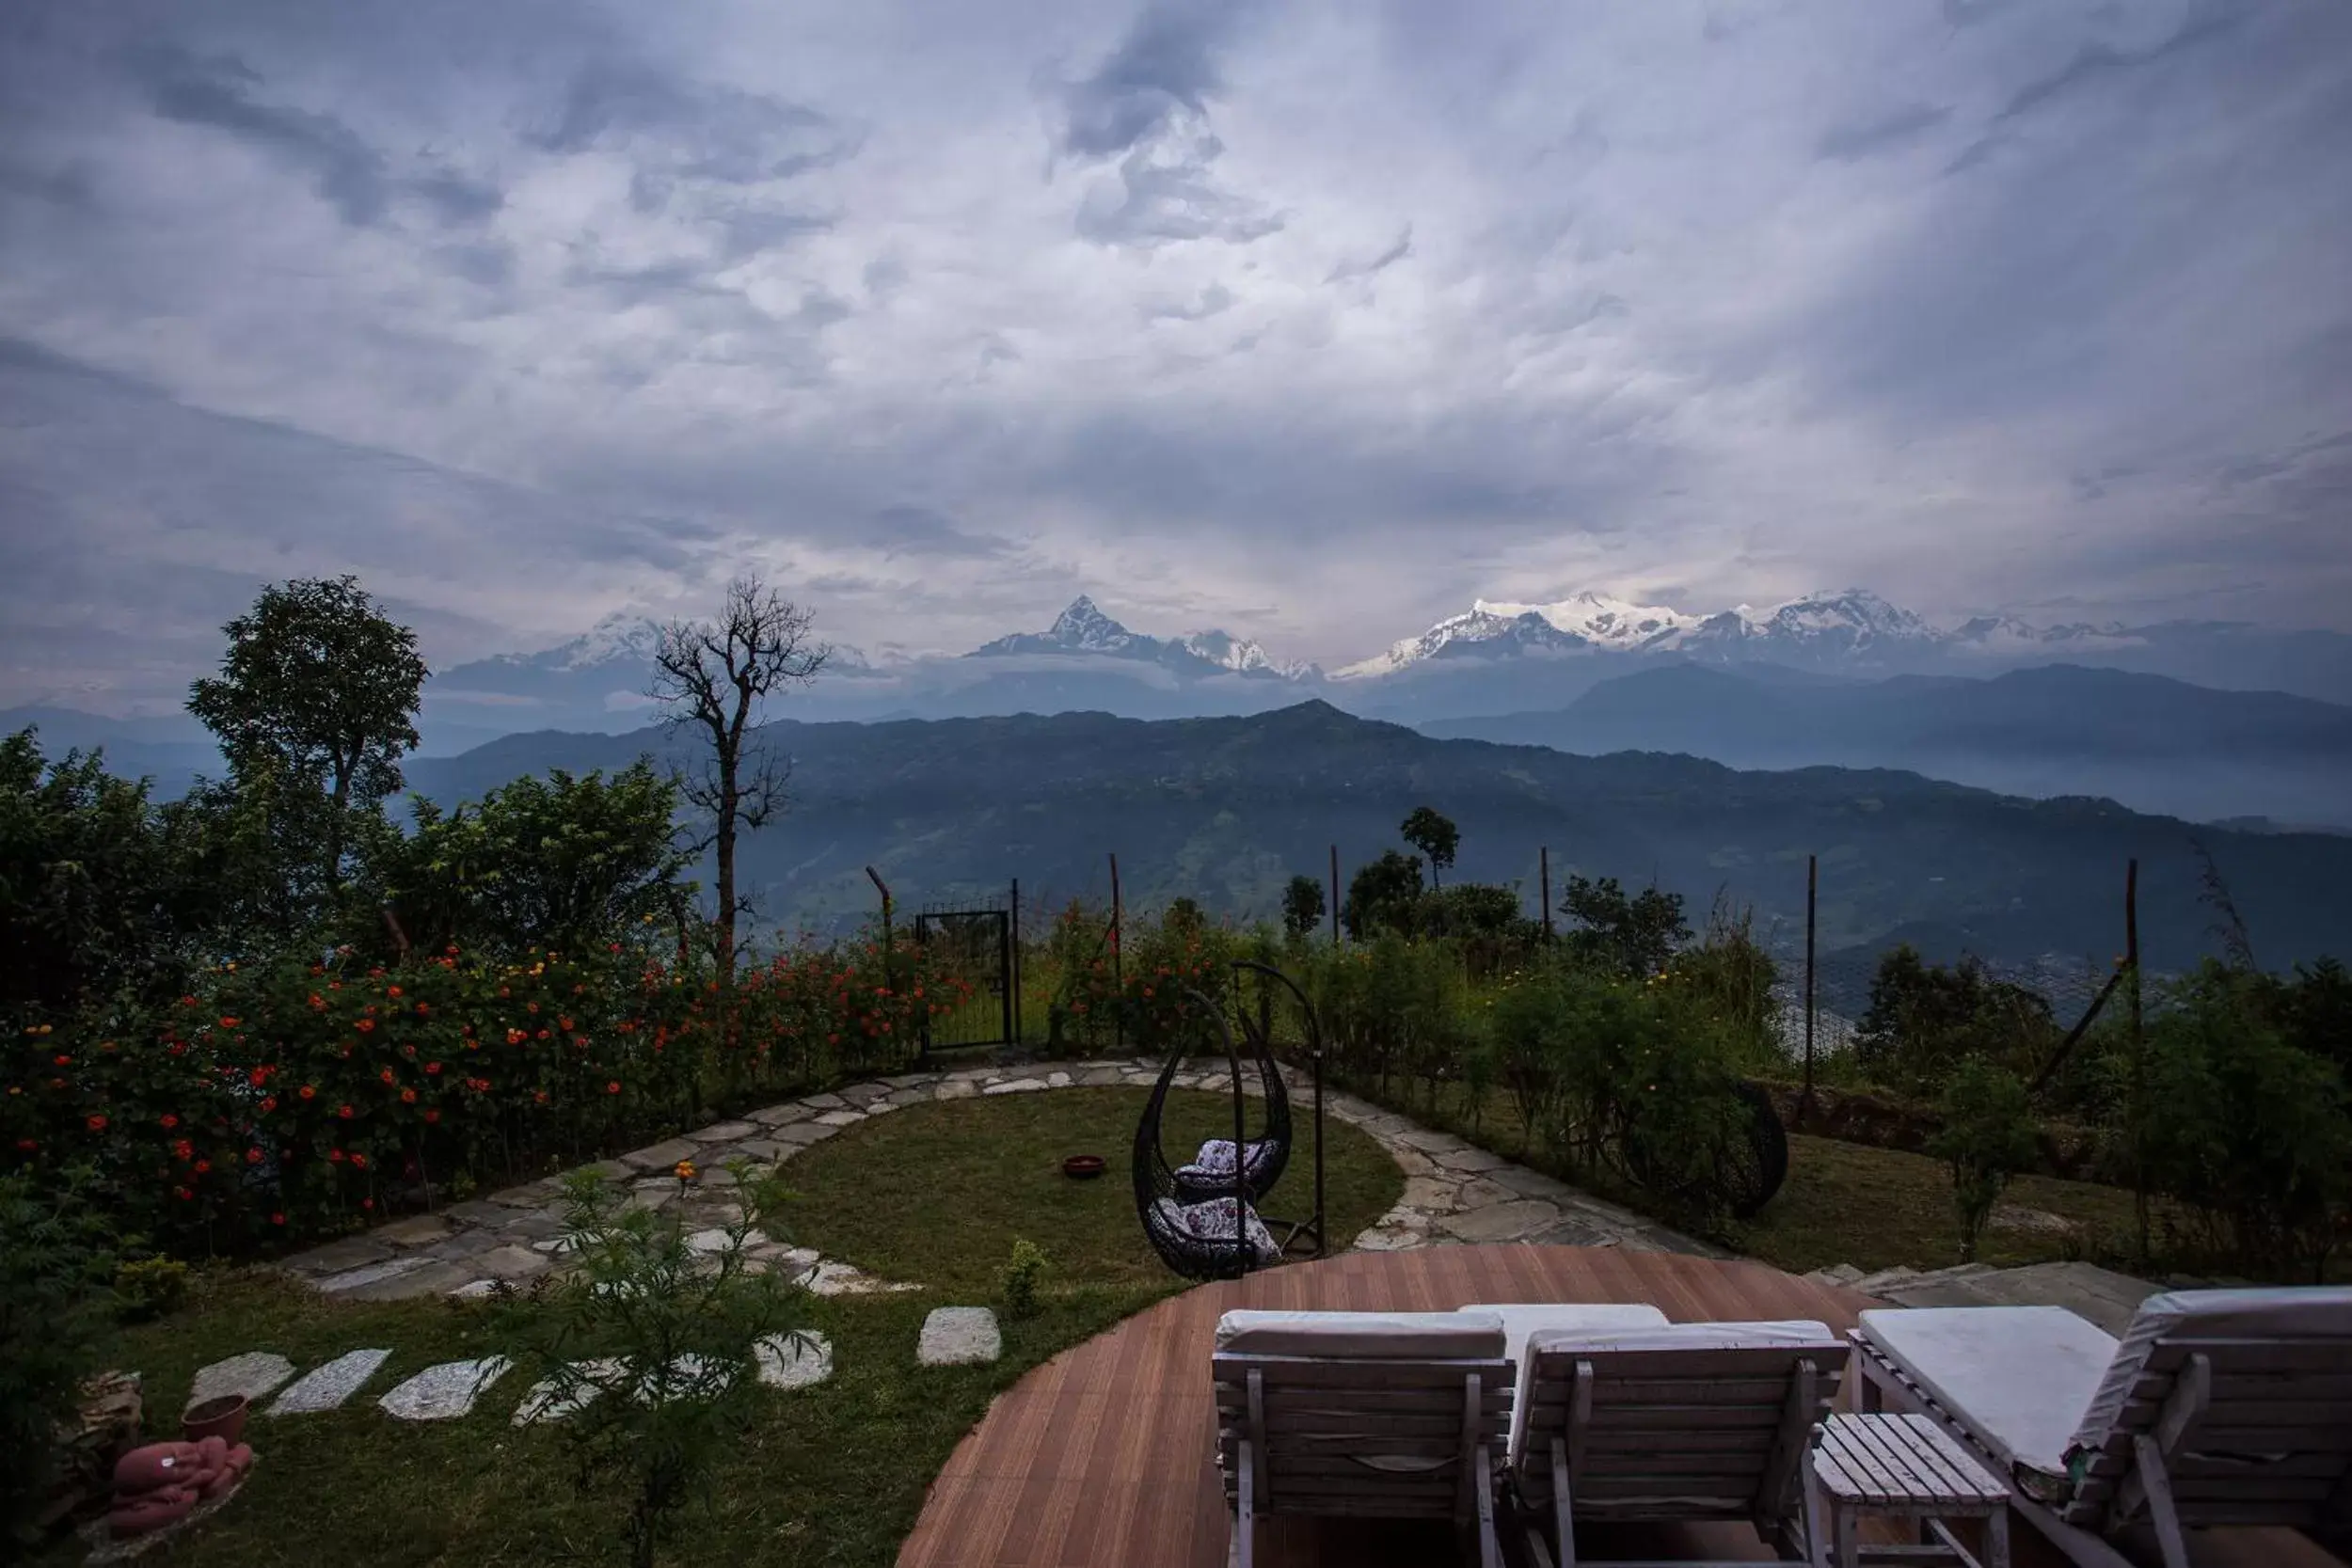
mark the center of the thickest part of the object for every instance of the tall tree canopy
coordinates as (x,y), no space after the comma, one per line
(1435,836)
(319,690)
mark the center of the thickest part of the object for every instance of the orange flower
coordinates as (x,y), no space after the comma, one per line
(365,1025)
(407,1097)
(308,1092)
(386,1075)
(391,990)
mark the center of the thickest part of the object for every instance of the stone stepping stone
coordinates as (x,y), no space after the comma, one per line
(1018,1085)
(844,1279)
(445,1392)
(252,1374)
(959,1337)
(326,1387)
(793,1360)
(545,1402)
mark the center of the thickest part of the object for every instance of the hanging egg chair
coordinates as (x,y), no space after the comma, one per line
(1200,1216)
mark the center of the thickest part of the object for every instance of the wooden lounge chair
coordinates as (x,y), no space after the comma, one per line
(1680,1424)
(1391,1415)
(2217,1407)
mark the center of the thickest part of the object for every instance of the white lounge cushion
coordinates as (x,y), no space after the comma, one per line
(1784,1333)
(1523,1318)
(1364,1335)
(2018,1378)
(2279,1312)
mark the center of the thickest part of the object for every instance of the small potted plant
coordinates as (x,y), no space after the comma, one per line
(222,1416)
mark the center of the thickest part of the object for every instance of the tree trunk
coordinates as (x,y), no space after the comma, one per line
(334,830)
(725,847)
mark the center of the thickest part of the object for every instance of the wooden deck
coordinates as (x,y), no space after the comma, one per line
(1102,1458)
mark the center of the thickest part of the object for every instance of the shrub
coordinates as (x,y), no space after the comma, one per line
(1382,896)
(1988,1136)
(1017,1284)
(1924,1020)
(657,1336)
(2248,1130)
(1627,937)
(149,1287)
(55,1322)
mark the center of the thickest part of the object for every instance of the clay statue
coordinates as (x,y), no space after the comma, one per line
(162,1483)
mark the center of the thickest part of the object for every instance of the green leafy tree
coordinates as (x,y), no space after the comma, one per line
(1988,1136)
(1627,936)
(56,1322)
(714,679)
(1435,836)
(1381,895)
(319,693)
(1302,907)
(652,1342)
(90,898)
(556,862)
(1925,1019)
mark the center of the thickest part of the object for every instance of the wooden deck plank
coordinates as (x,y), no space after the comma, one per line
(1106,1453)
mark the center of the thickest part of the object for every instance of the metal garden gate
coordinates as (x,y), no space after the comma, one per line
(973,959)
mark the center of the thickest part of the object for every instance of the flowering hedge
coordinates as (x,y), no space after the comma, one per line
(1103,996)
(294,1099)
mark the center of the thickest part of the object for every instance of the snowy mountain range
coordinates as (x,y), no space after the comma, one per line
(1498,657)
(1082,629)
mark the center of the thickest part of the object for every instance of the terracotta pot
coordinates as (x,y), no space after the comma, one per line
(222,1417)
(1082,1168)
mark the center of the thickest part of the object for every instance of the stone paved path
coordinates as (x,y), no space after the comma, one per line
(1455,1192)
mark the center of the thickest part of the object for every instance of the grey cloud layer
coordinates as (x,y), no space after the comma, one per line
(1317,320)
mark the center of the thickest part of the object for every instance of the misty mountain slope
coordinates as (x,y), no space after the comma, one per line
(1226,809)
(2153,743)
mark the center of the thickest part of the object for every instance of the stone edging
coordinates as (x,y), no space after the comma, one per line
(1455,1192)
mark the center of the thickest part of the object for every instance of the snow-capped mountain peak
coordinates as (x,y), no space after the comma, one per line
(623,636)
(1081,626)
(1600,619)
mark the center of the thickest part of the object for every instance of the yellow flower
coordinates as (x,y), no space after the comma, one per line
(685,1169)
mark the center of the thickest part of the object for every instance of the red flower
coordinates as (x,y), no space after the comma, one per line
(423,1007)
(65,1061)
(613,1087)
(432,1067)
(386,1075)
(309,1093)
(516,1037)
(358,1162)
(26,1145)
(407,1097)
(335,1156)
(228,1022)
(182,1194)
(432,1116)
(252,1156)
(343,1111)
(364,1025)
(203,1167)
(183,1148)
(367,1203)
(269,1103)
(95,1124)
(391,990)
(170,1121)
(277,1219)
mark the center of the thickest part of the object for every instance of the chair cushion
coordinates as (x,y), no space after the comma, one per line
(2017,1378)
(1213,1162)
(2281,1312)
(1466,1335)
(1212,1221)
(1523,1318)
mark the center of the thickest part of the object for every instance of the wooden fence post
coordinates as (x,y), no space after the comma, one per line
(1812,894)
(1543,883)
(1335,895)
(2140,1056)
(1118,1008)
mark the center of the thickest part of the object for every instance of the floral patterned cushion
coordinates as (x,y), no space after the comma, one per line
(1213,1164)
(1213,1222)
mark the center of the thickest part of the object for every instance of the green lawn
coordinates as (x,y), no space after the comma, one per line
(937,1192)
(832,1475)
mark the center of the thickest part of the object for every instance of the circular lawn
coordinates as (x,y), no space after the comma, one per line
(937,1193)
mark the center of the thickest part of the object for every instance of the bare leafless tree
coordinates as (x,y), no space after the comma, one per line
(712,678)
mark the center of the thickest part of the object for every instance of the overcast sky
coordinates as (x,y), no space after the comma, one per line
(1313,322)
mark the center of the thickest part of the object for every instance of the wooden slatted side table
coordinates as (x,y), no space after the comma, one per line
(1902,1467)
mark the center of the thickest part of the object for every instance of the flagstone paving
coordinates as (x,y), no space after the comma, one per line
(1457,1192)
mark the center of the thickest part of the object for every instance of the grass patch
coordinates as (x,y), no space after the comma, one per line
(1882,1208)
(936,1192)
(830,1475)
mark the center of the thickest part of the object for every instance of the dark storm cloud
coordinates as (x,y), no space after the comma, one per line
(703,130)
(1398,249)
(1164,65)
(919,531)
(1865,138)
(221,91)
